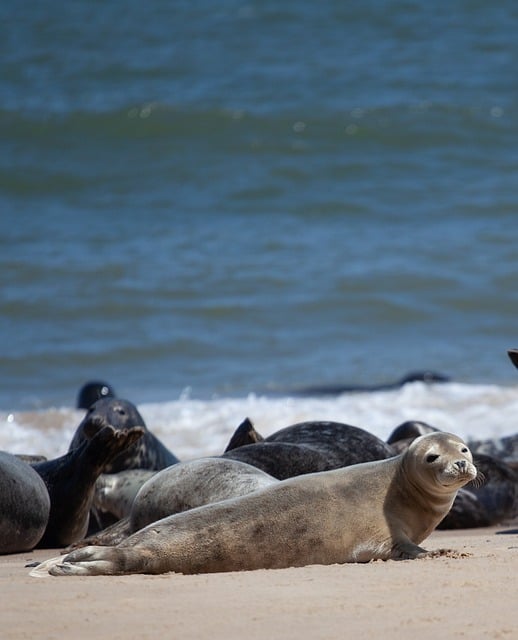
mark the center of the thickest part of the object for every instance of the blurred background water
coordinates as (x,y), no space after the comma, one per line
(207,202)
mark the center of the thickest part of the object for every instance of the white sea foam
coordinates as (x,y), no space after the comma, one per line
(191,427)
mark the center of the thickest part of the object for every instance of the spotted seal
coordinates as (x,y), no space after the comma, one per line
(376,510)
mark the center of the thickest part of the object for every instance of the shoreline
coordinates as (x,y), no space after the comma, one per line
(471,596)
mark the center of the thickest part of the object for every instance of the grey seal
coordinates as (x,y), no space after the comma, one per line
(376,510)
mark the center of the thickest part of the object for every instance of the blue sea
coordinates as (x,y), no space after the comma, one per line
(213,207)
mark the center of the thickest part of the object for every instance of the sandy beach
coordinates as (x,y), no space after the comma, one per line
(471,596)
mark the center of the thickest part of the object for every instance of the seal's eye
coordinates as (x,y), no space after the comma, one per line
(432,457)
(464,450)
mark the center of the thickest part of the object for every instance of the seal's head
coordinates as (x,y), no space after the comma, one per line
(119,414)
(92,391)
(441,461)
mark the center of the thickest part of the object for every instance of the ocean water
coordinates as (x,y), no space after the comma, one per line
(215,207)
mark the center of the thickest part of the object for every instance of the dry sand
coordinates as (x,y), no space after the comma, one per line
(466,597)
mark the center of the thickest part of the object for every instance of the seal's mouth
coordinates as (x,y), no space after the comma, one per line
(460,475)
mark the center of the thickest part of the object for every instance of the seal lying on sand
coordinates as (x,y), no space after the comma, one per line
(147,453)
(24,505)
(377,510)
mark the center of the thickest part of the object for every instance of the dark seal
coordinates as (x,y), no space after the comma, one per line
(426,376)
(92,391)
(308,447)
(24,505)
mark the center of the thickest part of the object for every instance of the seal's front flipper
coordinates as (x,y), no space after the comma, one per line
(407,551)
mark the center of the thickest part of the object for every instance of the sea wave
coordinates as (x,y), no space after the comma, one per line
(193,428)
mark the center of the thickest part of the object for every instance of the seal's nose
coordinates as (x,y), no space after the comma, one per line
(462,465)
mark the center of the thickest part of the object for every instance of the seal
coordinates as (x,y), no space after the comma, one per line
(70,482)
(194,483)
(147,453)
(376,510)
(92,391)
(24,505)
(426,376)
(309,447)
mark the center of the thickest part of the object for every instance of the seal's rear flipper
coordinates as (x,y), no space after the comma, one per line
(513,354)
(41,570)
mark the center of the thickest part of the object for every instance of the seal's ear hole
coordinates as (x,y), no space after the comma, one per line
(121,412)
(432,457)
